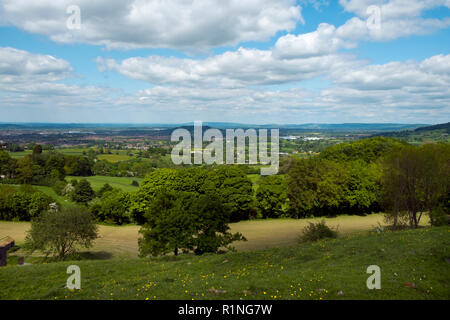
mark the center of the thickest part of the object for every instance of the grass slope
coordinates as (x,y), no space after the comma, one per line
(414,265)
(97,182)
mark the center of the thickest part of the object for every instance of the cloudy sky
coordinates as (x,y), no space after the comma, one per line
(252,61)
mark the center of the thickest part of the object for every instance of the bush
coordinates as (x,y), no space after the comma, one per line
(59,187)
(439,217)
(317,231)
(83,192)
(135,183)
(22,204)
(61,233)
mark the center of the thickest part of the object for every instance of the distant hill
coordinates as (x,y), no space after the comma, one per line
(219,125)
(425,134)
(445,126)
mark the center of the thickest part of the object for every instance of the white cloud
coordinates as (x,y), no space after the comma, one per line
(319,42)
(431,73)
(239,68)
(17,64)
(180,24)
(398,18)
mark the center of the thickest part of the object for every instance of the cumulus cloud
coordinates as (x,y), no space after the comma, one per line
(19,64)
(412,91)
(432,73)
(243,67)
(397,18)
(319,42)
(29,78)
(179,24)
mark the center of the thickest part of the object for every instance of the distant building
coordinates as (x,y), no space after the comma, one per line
(312,138)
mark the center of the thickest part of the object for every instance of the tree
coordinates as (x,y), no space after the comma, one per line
(37,149)
(61,233)
(316,187)
(7,164)
(169,227)
(24,203)
(271,196)
(106,187)
(113,207)
(83,192)
(235,189)
(212,230)
(185,221)
(25,169)
(415,180)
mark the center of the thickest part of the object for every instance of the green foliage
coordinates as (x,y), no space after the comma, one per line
(42,168)
(134,183)
(317,231)
(439,216)
(59,187)
(228,182)
(316,187)
(83,192)
(271,196)
(106,187)
(61,233)
(22,204)
(235,189)
(184,221)
(112,207)
(415,180)
(367,150)
(37,149)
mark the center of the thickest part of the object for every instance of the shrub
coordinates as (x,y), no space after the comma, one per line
(61,233)
(135,183)
(439,217)
(317,231)
(59,187)
(83,192)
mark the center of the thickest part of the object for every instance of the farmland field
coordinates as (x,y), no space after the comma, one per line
(121,241)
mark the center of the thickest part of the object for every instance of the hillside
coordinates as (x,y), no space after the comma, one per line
(427,134)
(414,265)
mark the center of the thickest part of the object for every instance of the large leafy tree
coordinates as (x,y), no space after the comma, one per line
(184,221)
(228,182)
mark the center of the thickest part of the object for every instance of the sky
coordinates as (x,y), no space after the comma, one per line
(245,61)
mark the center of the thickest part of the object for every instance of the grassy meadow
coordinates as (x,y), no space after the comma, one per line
(97,182)
(414,265)
(121,241)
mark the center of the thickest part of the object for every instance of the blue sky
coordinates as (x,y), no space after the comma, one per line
(258,62)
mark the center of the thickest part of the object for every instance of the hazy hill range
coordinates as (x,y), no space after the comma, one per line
(438,132)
